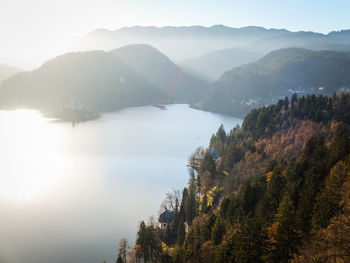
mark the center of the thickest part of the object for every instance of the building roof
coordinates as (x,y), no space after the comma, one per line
(213,152)
(166,217)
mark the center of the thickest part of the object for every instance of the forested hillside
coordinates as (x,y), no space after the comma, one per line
(279,191)
(278,74)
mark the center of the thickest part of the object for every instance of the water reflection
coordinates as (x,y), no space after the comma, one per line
(68,194)
(29,158)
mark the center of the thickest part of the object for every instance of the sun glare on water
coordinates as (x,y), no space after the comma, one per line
(29,159)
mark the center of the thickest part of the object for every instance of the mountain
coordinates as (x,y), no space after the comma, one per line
(161,72)
(213,64)
(342,36)
(278,74)
(95,80)
(6,72)
(308,40)
(180,43)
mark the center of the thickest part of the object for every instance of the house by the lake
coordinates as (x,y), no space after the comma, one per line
(165,218)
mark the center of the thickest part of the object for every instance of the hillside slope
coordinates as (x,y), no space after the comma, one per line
(6,72)
(162,72)
(279,191)
(93,79)
(278,74)
(213,64)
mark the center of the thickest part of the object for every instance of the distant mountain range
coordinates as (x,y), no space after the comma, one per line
(139,74)
(180,43)
(7,71)
(280,73)
(212,65)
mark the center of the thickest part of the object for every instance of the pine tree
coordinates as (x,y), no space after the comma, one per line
(327,204)
(286,238)
(340,146)
(149,242)
(217,232)
(191,205)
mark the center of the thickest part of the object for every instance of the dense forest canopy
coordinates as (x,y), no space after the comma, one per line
(278,192)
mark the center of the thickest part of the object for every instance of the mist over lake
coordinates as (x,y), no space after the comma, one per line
(68,193)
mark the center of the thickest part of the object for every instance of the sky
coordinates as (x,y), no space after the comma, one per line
(38,28)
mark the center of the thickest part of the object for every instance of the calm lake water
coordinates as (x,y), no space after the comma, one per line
(69,193)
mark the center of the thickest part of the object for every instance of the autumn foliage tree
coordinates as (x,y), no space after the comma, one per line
(284,189)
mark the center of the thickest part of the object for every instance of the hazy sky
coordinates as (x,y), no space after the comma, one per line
(36,28)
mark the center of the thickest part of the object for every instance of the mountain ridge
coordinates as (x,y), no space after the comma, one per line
(93,79)
(7,71)
(184,42)
(278,74)
(212,65)
(162,72)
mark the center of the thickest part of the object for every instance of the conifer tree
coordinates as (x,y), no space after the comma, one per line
(191,204)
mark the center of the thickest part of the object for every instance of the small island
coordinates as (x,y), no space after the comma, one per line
(160,106)
(73,114)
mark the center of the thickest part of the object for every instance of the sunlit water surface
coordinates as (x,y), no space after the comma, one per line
(69,193)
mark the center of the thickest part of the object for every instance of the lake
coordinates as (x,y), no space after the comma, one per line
(68,193)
